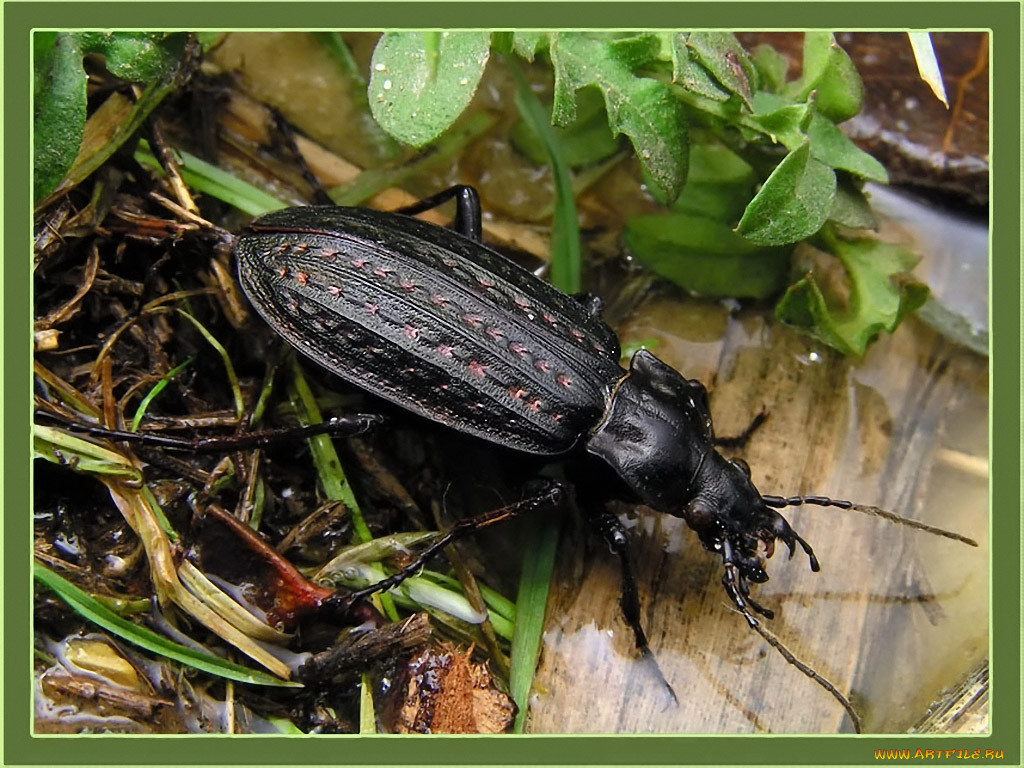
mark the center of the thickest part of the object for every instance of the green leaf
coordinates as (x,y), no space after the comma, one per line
(782,119)
(687,73)
(727,61)
(881,293)
(87,606)
(771,66)
(420,82)
(635,50)
(642,108)
(59,119)
(850,207)
(828,71)
(793,203)
(526,44)
(719,185)
(705,257)
(834,148)
(586,141)
(138,57)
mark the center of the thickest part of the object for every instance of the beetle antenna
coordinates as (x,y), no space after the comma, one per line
(738,592)
(824,501)
(775,643)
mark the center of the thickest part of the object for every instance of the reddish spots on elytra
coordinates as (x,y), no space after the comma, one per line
(282,248)
(406,284)
(556,417)
(302,277)
(518,348)
(300,247)
(329,254)
(334,290)
(484,283)
(359,263)
(372,308)
(444,350)
(473,321)
(494,333)
(548,318)
(517,393)
(534,405)
(438,300)
(521,302)
(564,380)
(597,347)
(477,367)
(381,271)
(541,365)
(411,332)
(575,333)
(282,272)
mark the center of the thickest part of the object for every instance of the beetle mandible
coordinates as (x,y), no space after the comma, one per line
(436,322)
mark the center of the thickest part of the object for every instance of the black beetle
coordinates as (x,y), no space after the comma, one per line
(434,321)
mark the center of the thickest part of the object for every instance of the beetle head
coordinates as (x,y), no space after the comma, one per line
(730,517)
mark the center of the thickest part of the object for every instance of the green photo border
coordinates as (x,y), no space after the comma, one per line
(21,747)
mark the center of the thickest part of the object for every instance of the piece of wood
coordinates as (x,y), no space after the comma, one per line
(894,617)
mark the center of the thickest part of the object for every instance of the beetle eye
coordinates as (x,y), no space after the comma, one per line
(741,465)
(699,515)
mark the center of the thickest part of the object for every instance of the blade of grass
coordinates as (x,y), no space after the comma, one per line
(539,558)
(565,231)
(367,715)
(236,391)
(212,181)
(928,64)
(332,476)
(62,448)
(88,607)
(534,582)
(440,154)
(156,390)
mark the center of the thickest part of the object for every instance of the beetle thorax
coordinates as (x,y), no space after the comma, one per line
(648,438)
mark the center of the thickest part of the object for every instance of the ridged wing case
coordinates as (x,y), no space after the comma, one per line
(432,321)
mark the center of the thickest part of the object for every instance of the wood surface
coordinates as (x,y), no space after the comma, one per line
(895,616)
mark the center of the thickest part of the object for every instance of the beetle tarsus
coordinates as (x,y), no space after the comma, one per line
(340,426)
(552,495)
(740,440)
(614,534)
(467,209)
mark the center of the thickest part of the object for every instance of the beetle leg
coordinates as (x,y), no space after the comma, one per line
(553,496)
(738,591)
(740,440)
(591,302)
(467,209)
(768,613)
(734,585)
(613,532)
(320,197)
(340,426)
